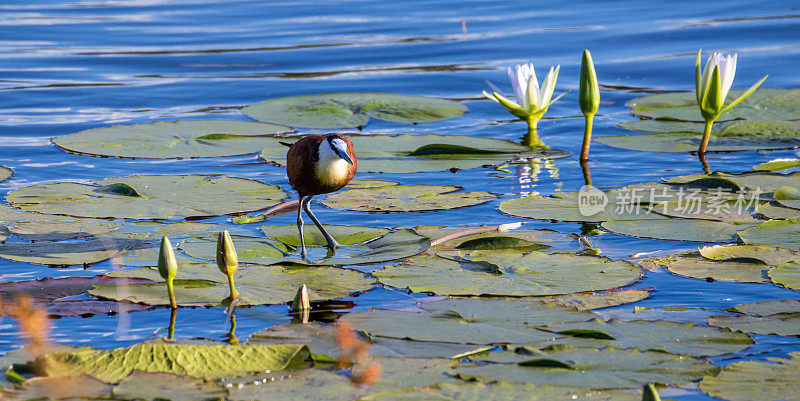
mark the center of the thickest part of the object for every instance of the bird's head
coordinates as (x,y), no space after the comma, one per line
(337,145)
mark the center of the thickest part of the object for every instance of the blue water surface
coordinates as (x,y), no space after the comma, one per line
(68,66)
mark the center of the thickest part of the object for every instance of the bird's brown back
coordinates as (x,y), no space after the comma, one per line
(301,160)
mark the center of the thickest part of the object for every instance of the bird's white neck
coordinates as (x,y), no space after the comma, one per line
(331,169)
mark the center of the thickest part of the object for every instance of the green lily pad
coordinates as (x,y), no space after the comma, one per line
(767,254)
(508,273)
(322,339)
(497,391)
(79,387)
(777,212)
(529,240)
(204,285)
(114,365)
(406,198)
(775,379)
(760,182)
(5,173)
(693,230)
(360,245)
(773,317)
(173,139)
(401,153)
(787,275)
(565,207)
(777,165)
(68,253)
(604,368)
(677,338)
(598,300)
(787,196)
(352,110)
(467,321)
(744,271)
(777,233)
(765,104)
(162,197)
(682,137)
(155,386)
(325,385)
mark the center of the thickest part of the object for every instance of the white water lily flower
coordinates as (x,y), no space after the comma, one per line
(532,100)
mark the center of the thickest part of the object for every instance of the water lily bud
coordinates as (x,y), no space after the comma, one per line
(167,265)
(227,259)
(649,393)
(589,92)
(301,301)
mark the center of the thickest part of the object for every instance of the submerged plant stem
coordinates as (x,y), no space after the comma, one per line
(706,137)
(587,136)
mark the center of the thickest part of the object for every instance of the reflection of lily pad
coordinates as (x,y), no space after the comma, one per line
(467,321)
(173,139)
(777,233)
(422,153)
(204,285)
(509,273)
(406,198)
(677,229)
(156,197)
(360,245)
(745,271)
(674,136)
(68,253)
(774,379)
(765,104)
(351,110)
(603,368)
(774,317)
(111,366)
(661,335)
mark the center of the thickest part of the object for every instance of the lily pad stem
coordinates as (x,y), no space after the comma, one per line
(171,293)
(234,293)
(587,136)
(706,137)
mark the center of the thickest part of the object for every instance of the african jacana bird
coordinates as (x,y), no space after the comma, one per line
(319,164)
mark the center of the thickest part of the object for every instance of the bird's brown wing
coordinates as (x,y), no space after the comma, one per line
(300,164)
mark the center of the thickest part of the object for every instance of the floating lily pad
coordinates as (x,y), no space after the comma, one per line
(112,366)
(322,339)
(406,198)
(155,386)
(467,321)
(777,233)
(681,137)
(787,196)
(4,233)
(173,139)
(777,165)
(767,254)
(496,391)
(153,197)
(360,245)
(787,274)
(598,300)
(68,253)
(774,379)
(565,207)
(508,273)
(204,285)
(424,153)
(688,339)
(765,104)
(79,387)
(744,271)
(604,368)
(352,110)
(529,240)
(758,182)
(5,172)
(777,212)
(731,211)
(677,229)
(773,317)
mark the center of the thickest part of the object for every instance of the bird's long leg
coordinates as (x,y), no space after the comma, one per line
(332,244)
(303,252)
